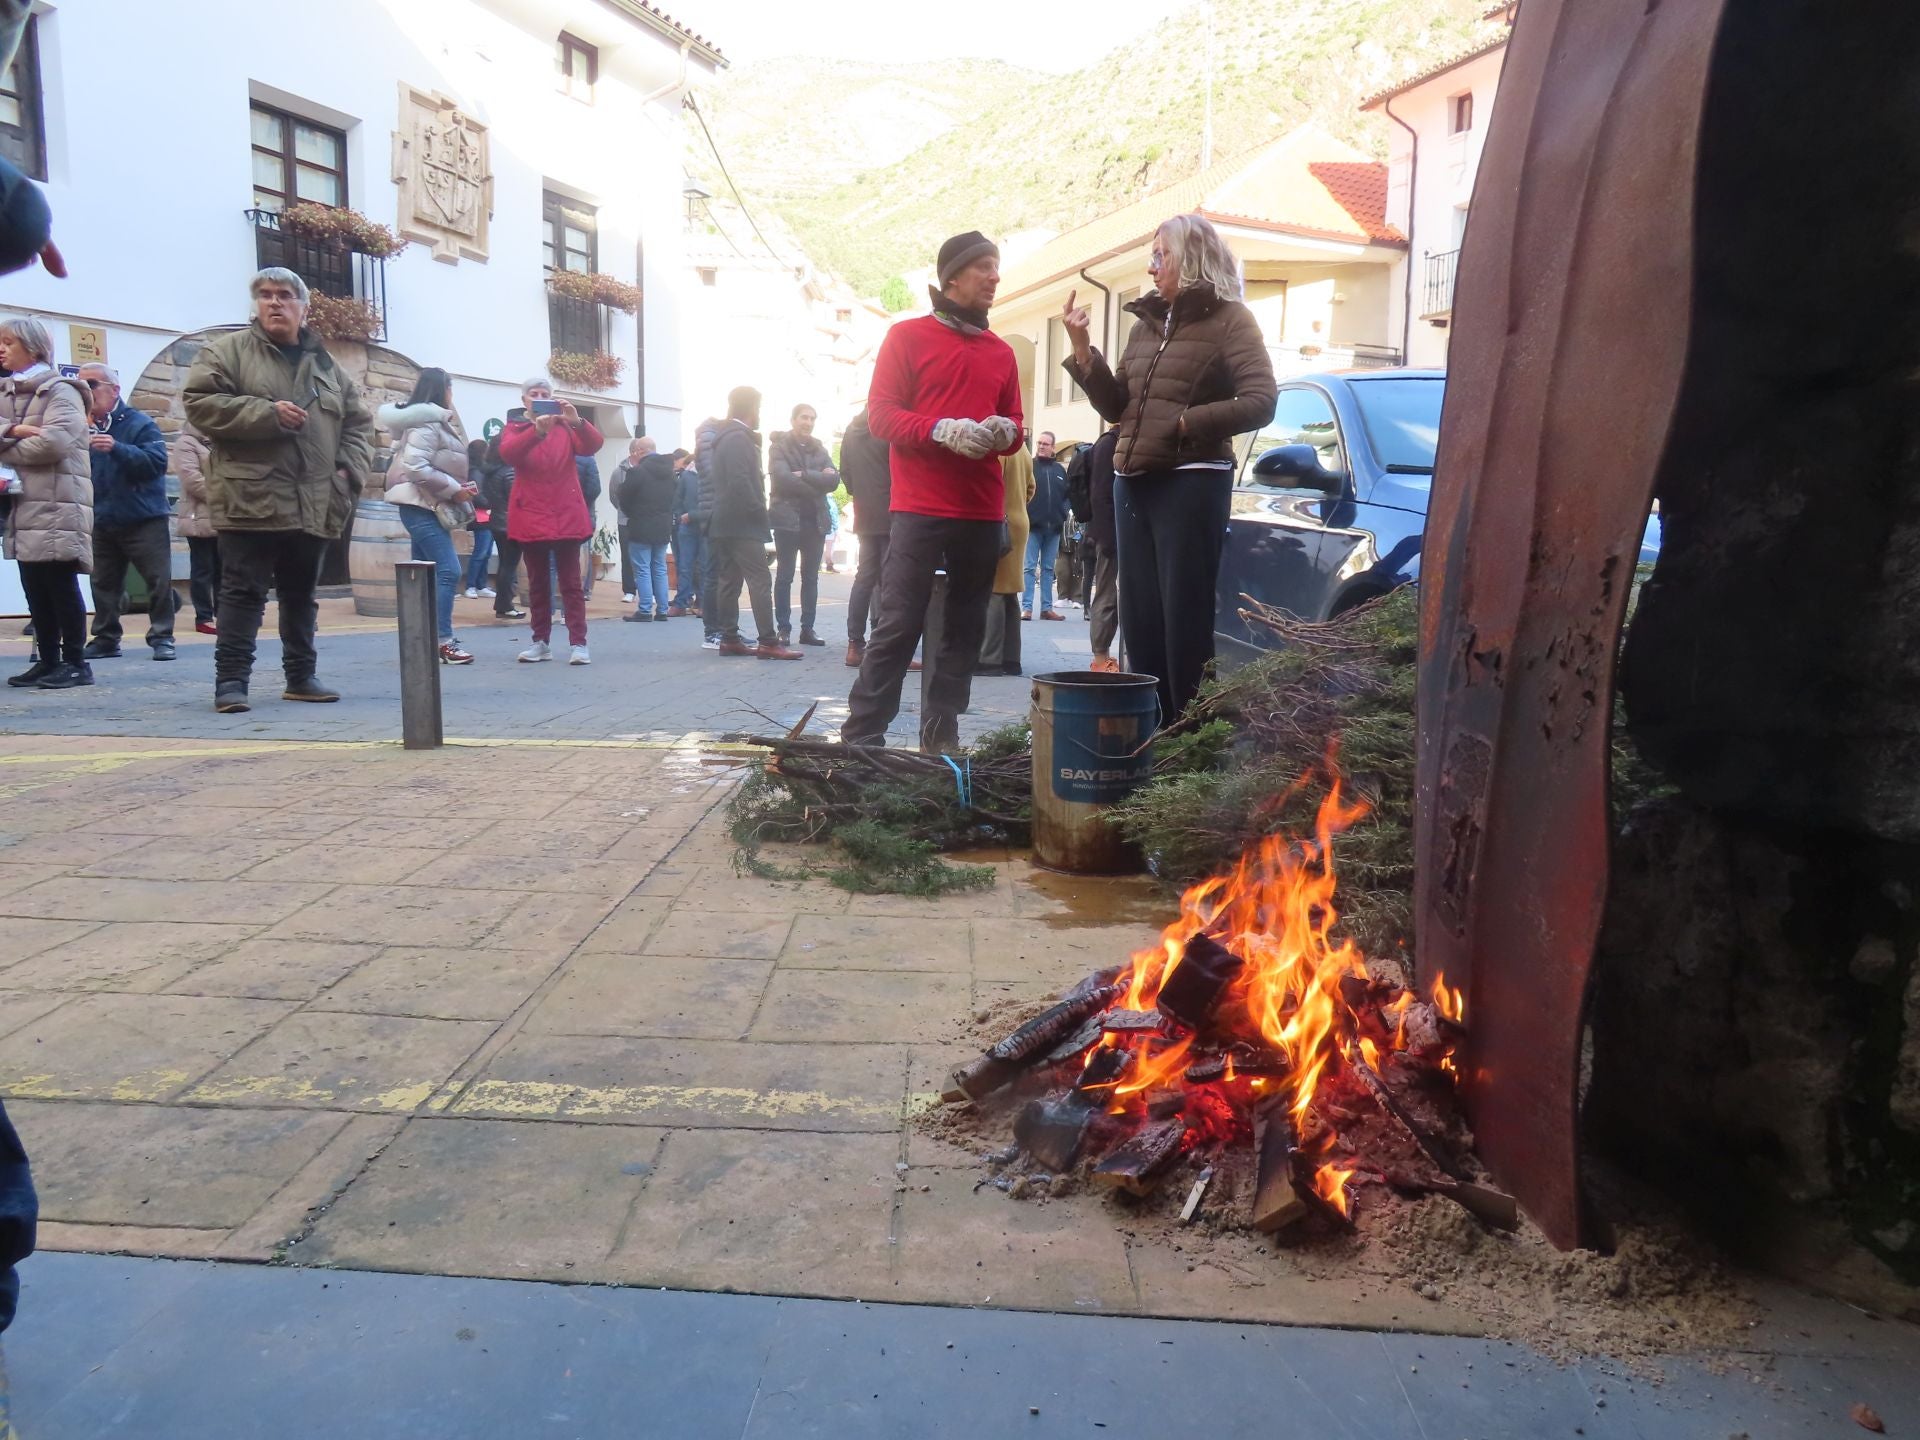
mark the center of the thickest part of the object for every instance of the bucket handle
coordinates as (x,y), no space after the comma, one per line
(1152,735)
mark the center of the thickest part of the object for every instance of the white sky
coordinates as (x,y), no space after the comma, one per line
(1053,35)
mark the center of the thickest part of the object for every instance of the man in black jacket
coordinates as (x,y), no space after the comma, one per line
(740,528)
(864,470)
(496,489)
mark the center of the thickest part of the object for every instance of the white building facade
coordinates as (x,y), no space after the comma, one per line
(504,138)
(1437,127)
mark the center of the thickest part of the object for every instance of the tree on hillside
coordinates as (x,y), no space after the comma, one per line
(895,295)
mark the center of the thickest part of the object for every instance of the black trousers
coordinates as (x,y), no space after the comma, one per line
(506,569)
(1000,647)
(918,546)
(59,611)
(742,561)
(709,583)
(251,562)
(1171,526)
(204,552)
(866,582)
(626,562)
(797,549)
(148,548)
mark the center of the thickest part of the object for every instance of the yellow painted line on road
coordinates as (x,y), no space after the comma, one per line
(539,1099)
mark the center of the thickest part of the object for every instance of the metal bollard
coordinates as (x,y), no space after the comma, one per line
(420,721)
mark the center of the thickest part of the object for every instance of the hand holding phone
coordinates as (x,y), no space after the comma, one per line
(546,407)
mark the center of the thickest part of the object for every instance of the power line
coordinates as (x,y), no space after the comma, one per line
(739,199)
(714,220)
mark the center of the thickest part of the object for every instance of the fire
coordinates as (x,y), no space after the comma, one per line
(1449,1000)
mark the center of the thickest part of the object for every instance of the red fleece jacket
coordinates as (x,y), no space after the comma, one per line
(546,504)
(927,372)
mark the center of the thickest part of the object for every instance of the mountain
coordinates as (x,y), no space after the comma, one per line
(870,167)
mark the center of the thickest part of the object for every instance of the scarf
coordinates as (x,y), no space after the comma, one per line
(967,322)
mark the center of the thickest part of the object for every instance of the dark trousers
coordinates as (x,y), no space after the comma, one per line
(148,548)
(59,611)
(555,565)
(505,570)
(1171,526)
(1103,597)
(1000,646)
(626,562)
(709,581)
(917,547)
(251,562)
(799,549)
(204,554)
(19,1216)
(866,583)
(742,561)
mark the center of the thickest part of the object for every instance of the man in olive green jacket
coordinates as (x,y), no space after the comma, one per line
(291,447)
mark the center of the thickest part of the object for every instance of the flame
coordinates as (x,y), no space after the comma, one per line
(1149,1070)
(1397,1012)
(1449,1000)
(1330,1184)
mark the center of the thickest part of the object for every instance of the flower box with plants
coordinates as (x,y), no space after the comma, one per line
(598,371)
(337,317)
(596,289)
(340,228)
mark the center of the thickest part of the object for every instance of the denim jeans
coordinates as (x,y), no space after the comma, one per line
(690,565)
(433,541)
(482,552)
(649,576)
(1043,548)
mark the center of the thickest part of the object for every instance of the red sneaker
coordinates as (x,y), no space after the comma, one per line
(206,627)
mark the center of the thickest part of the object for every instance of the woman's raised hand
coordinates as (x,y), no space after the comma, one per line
(1078,322)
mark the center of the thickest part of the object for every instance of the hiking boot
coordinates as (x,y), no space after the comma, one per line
(536,652)
(1051,615)
(855,654)
(164,650)
(578,656)
(309,689)
(101,650)
(775,652)
(452,654)
(230,697)
(676,612)
(807,637)
(32,675)
(66,677)
(733,645)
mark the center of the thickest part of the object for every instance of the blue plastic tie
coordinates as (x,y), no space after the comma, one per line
(962,780)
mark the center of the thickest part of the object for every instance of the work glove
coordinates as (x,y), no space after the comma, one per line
(964,437)
(1001,431)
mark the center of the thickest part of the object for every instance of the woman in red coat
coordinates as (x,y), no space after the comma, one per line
(548,515)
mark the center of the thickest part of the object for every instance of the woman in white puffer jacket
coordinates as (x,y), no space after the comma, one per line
(428,480)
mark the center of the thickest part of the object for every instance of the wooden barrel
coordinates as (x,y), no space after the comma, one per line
(380,542)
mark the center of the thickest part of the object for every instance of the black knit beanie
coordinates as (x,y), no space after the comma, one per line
(960,252)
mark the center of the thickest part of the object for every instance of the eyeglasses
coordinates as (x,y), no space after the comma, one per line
(98,384)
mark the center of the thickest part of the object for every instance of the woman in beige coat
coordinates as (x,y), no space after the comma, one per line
(49,477)
(1000,648)
(194,520)
(428,480)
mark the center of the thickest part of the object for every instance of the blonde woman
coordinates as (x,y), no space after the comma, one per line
(49,477)
(1194,374)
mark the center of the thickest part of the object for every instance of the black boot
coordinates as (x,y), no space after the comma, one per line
(32,675)
(308,688)
(98,649)
(230,697)
(66,677)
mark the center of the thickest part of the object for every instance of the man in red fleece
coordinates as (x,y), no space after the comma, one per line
(946,399)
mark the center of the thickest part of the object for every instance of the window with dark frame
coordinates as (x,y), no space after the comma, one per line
(579,65)
(23,129)
(1460,113)
(572,234)
(296,159)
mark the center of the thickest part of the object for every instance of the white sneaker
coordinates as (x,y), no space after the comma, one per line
(578,657)
(536,652)
(627,598)
(712,642)
(472,594)
(486,590)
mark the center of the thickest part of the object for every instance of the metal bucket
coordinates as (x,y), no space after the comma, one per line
(1092,747)
(379,543)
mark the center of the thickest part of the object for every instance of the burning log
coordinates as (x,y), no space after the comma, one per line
(1083,1039)
(1250,1064)
(1276,1200)
(1430,1145)
(1481,1201)
(1052,1131)
(1034,1040)
(1095,981)
(1127,1022)
(1137,1165)
(1191,992)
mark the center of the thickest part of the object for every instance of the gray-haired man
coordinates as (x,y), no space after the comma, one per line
(291,444)
(129,458)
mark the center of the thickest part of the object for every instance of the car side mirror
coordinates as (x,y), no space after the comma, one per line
(1297,467)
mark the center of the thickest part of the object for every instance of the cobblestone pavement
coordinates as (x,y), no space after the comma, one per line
(646,681)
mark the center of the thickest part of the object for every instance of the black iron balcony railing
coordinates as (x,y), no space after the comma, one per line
(576,326)
(327,267)
(1439,289)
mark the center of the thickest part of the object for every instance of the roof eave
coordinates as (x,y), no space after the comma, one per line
(1447,69)
(678,34)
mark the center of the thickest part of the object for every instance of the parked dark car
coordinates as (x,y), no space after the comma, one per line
(1330,499)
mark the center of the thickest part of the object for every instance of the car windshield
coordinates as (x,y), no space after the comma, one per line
(1402,417)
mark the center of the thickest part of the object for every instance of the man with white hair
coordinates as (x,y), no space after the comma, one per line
(129,458)
(291,447)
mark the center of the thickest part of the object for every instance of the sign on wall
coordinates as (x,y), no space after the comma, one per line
(87,344)
(444,169)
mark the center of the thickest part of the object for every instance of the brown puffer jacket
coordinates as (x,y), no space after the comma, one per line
(1210,366)
(52,489)
(193,519)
